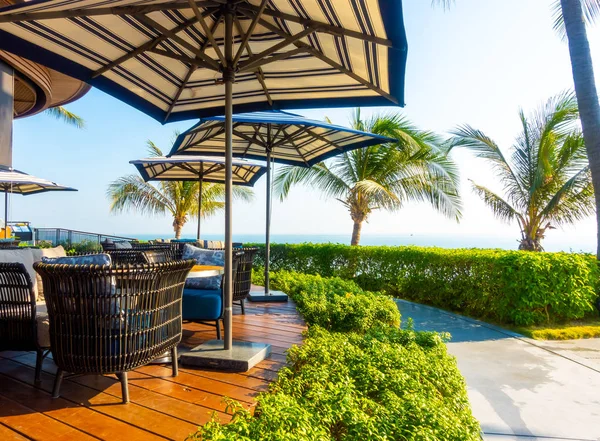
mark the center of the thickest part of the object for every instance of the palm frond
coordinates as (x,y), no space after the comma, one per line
(132,193)
(590,9)
(318,176)
(61,113)
(574,201)
(501,208)
(153,149)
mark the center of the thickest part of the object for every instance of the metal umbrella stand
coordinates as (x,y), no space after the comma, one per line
(162,57)
(274,136)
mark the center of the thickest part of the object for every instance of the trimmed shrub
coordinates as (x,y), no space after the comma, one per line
(336,304)
(387,384)
(512,287)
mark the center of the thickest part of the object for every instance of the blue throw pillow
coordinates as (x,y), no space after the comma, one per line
(90,259)
(204,257)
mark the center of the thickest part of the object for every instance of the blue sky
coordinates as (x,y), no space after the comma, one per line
(476,64)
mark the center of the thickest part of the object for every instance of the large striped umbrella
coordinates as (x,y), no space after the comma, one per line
(17,182)
(198,168)
(178,59)
(274,136)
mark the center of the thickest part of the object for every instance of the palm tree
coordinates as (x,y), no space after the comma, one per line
(547,182)
(383,176)
(63,114)
(177,198)
(571,19)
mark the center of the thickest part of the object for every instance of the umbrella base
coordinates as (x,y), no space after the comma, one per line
(272,296)
(240,358)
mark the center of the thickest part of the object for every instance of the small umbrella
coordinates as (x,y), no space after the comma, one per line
(198,168)
(273,136)
(15,181)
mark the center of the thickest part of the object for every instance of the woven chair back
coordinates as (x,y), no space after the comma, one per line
(109,319)
(17,309)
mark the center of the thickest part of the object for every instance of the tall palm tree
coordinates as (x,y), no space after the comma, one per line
(547,182)
(63,114)
(571,19)
(383,176)
(177,198)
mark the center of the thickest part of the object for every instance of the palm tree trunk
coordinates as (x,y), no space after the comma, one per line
(356,233)
(585,89)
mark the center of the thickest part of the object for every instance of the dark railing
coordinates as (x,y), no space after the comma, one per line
(62,235)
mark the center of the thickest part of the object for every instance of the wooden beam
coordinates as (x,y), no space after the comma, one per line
(323,27)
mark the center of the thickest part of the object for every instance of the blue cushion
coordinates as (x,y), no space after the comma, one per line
(90,259)
(204,257)
(202,304)
(184,240)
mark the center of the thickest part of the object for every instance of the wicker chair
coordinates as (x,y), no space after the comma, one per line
(18,318)
(112,319)
(124,257)
(243,277)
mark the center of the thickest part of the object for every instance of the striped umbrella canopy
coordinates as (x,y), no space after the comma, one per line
(198,168)
(281,136)
(274,136)
(178,59)
(17,182)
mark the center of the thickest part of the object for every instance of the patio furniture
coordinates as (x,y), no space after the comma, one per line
(206,305)
(22,328)
(112,319)
(242,282)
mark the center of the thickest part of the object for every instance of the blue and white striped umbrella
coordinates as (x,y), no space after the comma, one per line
(283,137)
(164,57)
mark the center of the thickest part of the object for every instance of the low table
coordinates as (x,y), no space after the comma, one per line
(206,271)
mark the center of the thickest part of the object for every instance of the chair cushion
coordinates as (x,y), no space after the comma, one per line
(202,304)
(90,259)
(204,257)
(123,245)
(43,329)
(24,256)
(38,255)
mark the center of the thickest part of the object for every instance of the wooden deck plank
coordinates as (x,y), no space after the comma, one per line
(161,407)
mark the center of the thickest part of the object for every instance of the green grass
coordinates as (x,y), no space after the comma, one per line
(576,329)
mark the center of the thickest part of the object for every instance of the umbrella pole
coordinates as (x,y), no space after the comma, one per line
(199,205)
(228,78)
(268,224)
(5,214)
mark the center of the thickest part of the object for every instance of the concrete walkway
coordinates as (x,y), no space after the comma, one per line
(521,389)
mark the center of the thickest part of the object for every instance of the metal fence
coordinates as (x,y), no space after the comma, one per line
(62,235)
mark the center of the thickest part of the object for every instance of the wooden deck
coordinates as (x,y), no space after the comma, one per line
(161,407)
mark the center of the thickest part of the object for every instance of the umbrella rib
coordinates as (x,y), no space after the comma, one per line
(291,140)
(329,61)
(246,38)
(208,32)
(260,75)
(259,59)
(160,28)
(261,62)
(324,139)
(143,48)
(248,138)
(324,27)
(190,72)
(94,12)
(250,142)
(183,58)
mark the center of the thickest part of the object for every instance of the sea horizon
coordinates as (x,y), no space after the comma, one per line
(551,244)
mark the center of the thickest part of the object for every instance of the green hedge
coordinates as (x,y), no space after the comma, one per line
(512,287)
(371,382)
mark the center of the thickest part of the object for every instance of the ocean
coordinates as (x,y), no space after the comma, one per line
(556,243)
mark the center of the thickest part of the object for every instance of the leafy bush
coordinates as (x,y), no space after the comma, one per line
(387,384)
(85,246)
(512,287)
(336,304)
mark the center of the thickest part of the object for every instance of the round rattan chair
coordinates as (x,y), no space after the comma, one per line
(112,319)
